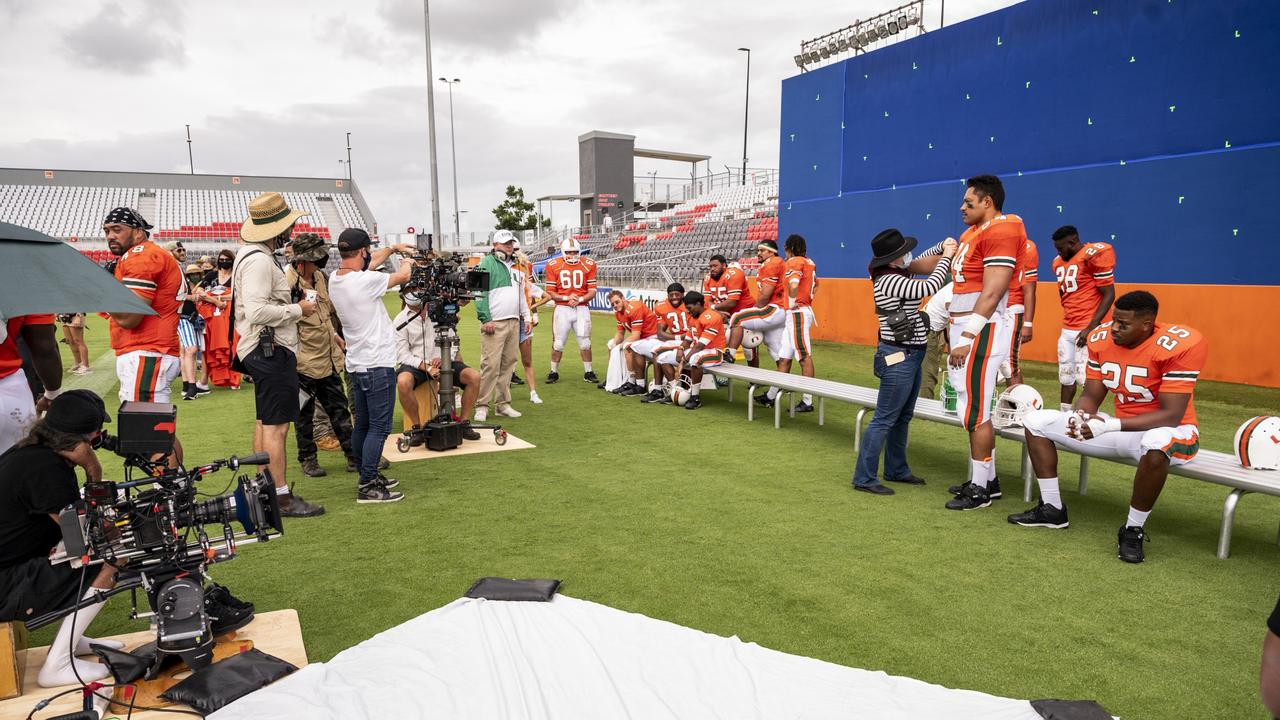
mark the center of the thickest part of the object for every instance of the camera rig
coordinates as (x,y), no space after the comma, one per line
(154,527)
(444,283)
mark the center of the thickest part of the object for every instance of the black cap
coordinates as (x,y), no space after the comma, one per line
(77,411)
(353,239)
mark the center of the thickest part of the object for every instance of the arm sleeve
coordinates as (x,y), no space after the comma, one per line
(1103,266)
(1182,369)
(1000,246)
(905,288)
(255,294)
(935,250)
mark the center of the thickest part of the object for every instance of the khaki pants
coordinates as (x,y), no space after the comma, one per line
(932,367)
(499,353)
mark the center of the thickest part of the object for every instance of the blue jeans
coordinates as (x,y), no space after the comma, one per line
(895,406)
(375,394)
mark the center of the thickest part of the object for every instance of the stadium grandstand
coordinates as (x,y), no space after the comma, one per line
(203,211)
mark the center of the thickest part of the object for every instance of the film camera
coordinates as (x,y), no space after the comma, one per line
(161,532)
(444,281)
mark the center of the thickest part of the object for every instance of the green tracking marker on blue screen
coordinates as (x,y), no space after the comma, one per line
(1172,108)
(1181,198)
(1059,209)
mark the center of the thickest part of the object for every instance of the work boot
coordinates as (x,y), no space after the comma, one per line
(328,443)
(311,468)
(515,379)
(295,507)
(468,433)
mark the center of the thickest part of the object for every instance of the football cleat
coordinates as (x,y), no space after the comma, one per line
(1129,544)
(973,498)
(590,377)
(655,396)
(693,403)
(993,488)
(763,400)
(553,377)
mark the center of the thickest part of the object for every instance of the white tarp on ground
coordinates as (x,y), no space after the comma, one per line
(479,659)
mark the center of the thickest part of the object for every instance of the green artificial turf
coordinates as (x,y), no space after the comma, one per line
(735,528)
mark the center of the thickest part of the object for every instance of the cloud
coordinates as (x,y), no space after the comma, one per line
(492,24)
(130,43)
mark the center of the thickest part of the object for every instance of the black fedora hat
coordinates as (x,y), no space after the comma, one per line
(889,245)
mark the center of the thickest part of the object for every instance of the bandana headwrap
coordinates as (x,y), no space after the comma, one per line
(126,216)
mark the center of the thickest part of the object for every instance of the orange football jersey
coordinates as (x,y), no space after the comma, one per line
(995,243)
(708,329)
(1079,279)
(566,278)
(1026,271)
(770,278)
(153,275)
(675,319)
(636,315)
(732,285)
(1168,361)
(10,360)
(802,269)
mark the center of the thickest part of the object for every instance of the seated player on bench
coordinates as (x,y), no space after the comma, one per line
(1151,368)
(706,344)
(418,356)
(638,335)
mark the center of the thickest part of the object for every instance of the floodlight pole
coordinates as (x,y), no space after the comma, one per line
(746,104)
(349,174)
(190,159)
(431,124)
(453,145)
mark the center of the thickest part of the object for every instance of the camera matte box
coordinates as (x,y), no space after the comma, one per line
(146,428)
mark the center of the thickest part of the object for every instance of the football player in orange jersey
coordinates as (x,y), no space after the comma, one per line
(726,290)
(981,273)
(802,284)
(18,411)
(1151,369)
(1022,308)
(706,344)
(673,333)
(768,317)
(1086,285)
(571,283)
(638,335)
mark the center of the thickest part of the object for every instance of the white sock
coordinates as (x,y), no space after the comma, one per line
(1049,492)
(555,366)
(748,354)
(631,378)
(1137,518)
(983,471)
(1064,407)
(654,385)
(807,398)
(696,387)
(772,393)
(60,668)
(282,490)
(586,366)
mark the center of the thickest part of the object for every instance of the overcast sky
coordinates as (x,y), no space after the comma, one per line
(270,87)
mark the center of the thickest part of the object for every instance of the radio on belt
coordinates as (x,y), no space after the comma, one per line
(146,428)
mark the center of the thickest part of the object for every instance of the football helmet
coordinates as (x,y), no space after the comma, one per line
(569,245)
(1257,443)
(751,338)
(680,390)
(1014,404)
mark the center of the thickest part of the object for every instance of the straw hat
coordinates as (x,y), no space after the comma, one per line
(269,215)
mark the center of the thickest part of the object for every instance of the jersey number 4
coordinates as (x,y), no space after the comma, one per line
(572,279)
(958,263)
(1112,376)
(1067,279)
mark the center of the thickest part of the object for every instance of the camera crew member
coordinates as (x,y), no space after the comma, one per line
(419,358)
(356,289)
(38,480)
(320,360)
(267,317)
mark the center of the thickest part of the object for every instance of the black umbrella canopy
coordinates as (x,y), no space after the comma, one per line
(41,274)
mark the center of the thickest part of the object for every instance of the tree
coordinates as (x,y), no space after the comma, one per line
(516,213)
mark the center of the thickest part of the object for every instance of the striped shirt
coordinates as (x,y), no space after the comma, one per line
(893,292)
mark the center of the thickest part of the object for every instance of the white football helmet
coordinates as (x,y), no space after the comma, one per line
(569,245)
(751,338)
(1014,404)
(680,390)
(1257,443)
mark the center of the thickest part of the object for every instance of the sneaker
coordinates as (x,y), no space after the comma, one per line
(376,493)
(655,395)
(515,379)
(622,389)
(311,468)
(729,356)
(202,389)
(722,382)
(224,618)
(804,407)
(481,415)
(635,390)
(553,378)
(972,498)
(416,437)
(1129,543)
(666,400)
(223,596)
(993,488)
(590,377)
(294,506)
(1042,515)
(387,482)
(189,395)
(507,411)
(694,403)
(763,400)
(469,433)
(533,398)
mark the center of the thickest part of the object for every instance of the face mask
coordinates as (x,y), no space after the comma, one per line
(225,263)
(413,299)
(904,261)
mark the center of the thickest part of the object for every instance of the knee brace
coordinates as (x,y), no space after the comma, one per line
(1067,373)
(584,343)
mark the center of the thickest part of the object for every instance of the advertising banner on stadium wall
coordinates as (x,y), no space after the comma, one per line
(600,302)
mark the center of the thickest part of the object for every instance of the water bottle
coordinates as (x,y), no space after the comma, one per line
(950,401)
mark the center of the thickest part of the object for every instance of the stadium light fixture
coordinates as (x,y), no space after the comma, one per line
(842,44)
(861,34)
(893,26)
(800,61)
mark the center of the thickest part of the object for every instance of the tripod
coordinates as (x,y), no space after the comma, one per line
(444,432)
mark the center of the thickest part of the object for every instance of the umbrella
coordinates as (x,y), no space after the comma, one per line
(40,274)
